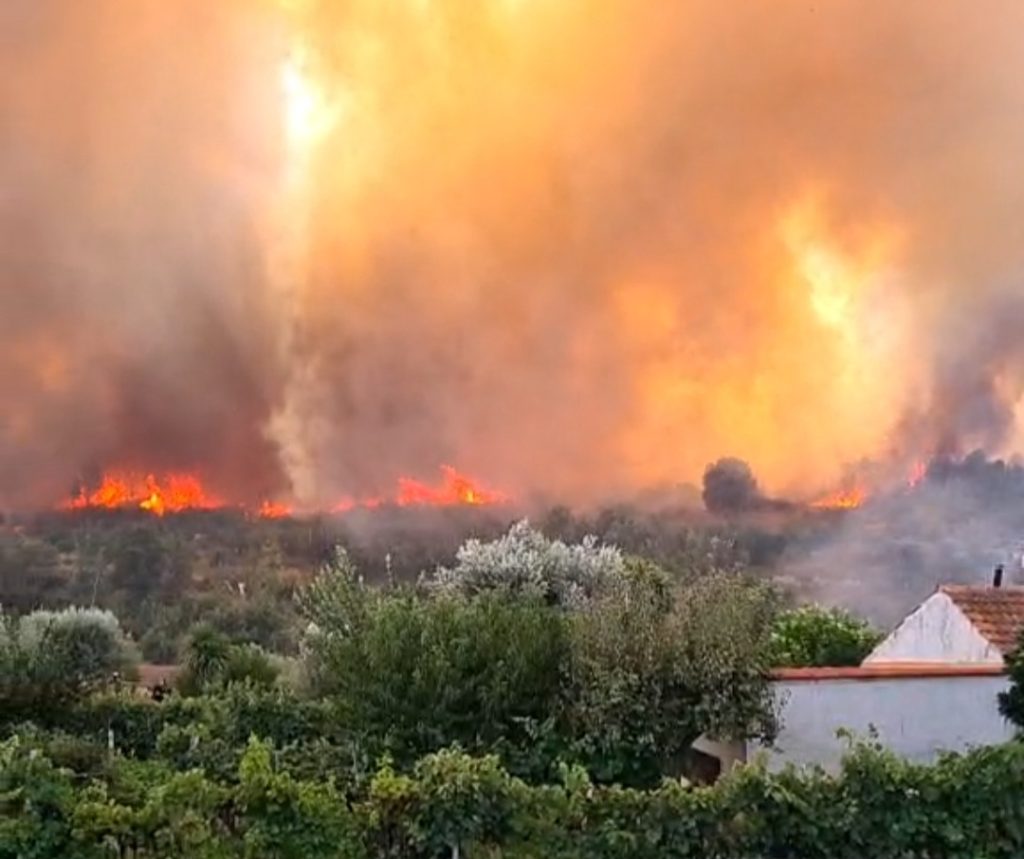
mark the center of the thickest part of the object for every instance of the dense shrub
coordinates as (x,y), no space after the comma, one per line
(816,636)
(623,677)
(646,677)
(212,660)
(418,674)
(48,659)
(210,731)
(962,807)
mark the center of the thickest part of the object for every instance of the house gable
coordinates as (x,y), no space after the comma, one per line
(937,631)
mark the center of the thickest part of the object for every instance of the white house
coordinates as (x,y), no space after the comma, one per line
(957,624)
(918,710)
(930,686)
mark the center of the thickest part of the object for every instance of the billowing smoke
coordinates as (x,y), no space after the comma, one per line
(572,246)
(963,517)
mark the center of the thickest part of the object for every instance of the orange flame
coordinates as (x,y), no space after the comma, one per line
(455,489)
(917,473)
(171,494)
(843,499)
(175,493)
(274,510)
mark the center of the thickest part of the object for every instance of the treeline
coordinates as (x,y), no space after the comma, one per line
(163,576)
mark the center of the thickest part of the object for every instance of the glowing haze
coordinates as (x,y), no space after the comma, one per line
(578,247)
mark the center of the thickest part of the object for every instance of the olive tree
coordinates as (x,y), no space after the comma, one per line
(50,657)
(647,677)
(525,562)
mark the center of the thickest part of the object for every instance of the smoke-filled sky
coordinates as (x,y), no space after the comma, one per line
(577,247)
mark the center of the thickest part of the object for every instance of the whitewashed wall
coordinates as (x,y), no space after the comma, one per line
(937,631)
(917,717)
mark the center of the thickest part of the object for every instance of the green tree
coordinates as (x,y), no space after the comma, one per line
(282,818)
(206,659)
(48,659)
(816,636)
(647,677)
(422,673)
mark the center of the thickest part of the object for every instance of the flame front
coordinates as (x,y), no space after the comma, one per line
(180,492)
(454,489)
(848,498)
(172,493)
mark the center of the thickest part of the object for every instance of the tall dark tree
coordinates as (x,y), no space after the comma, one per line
(730,487)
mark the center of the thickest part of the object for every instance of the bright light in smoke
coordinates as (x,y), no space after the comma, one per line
(309,114)
(835,282)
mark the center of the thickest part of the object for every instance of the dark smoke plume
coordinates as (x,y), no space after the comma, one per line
(965,516)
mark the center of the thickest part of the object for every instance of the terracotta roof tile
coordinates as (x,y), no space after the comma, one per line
(997,613)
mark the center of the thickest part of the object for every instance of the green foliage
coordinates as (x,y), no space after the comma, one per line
(211,660)
(282,818)
(1011,702)
(36,800)
(47,659)
(250,663)
(623,679)
(450,802)
(419,674)
(816,636)
(961,807)
(176,817)
(648,676)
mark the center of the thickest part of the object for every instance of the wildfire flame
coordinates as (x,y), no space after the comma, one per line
(172,493)
(175,493)
(848,498)
(455,489)
(854,495)
(274,510)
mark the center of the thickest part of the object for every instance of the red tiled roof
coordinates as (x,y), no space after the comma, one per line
(997,613)
(890,670)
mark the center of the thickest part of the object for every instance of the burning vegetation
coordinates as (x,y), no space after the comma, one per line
(566,248)
(178,493)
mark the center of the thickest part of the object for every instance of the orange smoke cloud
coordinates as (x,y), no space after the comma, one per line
(309,246)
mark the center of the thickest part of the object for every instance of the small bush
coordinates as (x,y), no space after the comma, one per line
(813,636)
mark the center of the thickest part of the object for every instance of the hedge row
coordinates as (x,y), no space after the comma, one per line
(454,805)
